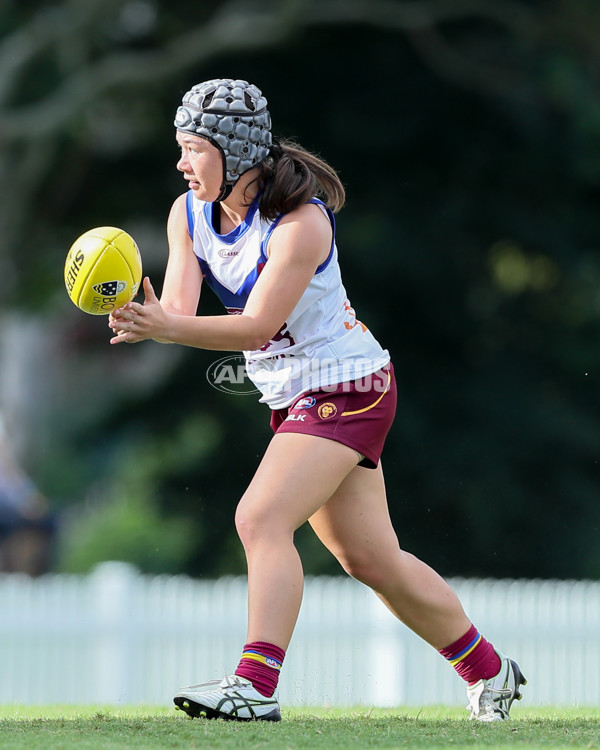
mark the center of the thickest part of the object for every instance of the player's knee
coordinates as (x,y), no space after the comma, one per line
(365,570)
(246,525)
(253,525)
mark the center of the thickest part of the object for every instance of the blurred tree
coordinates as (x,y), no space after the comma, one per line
(466,132)
(78,80)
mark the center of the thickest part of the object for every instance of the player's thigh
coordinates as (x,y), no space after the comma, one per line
(296,476)
(355,523)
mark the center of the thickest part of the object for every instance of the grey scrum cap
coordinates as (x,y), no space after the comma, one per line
(233,115)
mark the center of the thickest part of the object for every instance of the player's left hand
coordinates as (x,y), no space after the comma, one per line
(134,322)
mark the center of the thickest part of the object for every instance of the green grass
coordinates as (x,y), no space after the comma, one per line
(95,728)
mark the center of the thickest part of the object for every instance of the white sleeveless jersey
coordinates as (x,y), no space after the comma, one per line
(320,344)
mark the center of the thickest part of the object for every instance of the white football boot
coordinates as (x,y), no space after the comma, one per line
(490,700)
(233,698)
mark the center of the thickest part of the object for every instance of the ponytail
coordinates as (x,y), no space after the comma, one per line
(290,176)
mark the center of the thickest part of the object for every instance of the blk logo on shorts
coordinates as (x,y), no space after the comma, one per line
(295,418)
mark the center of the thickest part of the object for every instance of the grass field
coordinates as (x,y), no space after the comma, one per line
(98,728)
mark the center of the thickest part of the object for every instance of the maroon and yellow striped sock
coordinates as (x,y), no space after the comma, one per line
(473,657)
(261,663)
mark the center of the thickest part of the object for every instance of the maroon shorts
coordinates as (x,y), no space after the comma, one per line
(358,414)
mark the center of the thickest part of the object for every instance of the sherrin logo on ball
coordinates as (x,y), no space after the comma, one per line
(103,270)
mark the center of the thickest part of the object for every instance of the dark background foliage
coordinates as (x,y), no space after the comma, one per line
(467,136)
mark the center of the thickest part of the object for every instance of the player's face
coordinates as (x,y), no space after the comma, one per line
(201,164)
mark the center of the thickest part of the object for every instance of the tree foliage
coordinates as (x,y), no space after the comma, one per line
(466,133)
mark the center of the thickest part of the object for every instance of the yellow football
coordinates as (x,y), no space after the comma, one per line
(103,270)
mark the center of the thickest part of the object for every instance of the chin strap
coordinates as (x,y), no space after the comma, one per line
(226,187)
(225,192)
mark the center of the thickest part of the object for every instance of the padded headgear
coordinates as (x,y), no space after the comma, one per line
(233,116)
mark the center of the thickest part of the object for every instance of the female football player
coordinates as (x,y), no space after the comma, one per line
(257,224)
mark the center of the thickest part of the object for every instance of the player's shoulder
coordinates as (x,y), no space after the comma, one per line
(311,216)
(178,222)
(180,209)
(312,210)
(306,230)
(180,203)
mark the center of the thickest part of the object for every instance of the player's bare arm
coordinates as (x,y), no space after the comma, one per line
(300,243)
(183,277)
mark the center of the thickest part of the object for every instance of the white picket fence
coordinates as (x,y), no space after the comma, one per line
(118,638)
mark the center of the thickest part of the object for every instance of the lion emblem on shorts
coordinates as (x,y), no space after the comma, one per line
(327,410)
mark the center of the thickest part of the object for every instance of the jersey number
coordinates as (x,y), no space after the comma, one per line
(281,334)
(353,321)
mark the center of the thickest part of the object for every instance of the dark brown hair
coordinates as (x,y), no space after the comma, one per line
(290,176)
